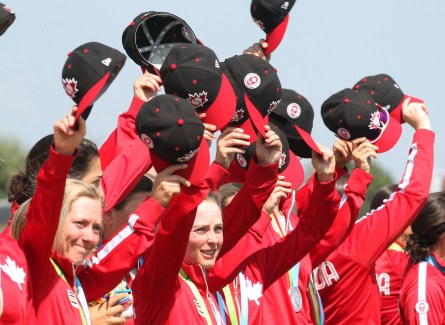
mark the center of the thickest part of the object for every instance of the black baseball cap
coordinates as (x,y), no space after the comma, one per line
(386,92)
(173,132)
(352,114)
(151,35)
(7,17)
(258,91)
(88,72)
(272,16)
(193,72)
(294,116)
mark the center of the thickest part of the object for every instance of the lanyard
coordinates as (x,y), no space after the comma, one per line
(316,303)
(84,312)
(230,305)
(432,260)
(244,301)
(199,301)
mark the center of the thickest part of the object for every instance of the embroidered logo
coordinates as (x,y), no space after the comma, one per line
(273,105)
(259,23)
(106,62)
(188,156)
(72,298)
(343,133)
(239,115)
(252,80)
(375,121)
(216,64)
(70,86)
(282,160)
(198,100)
(241,160)
(14,272)
(8,9)
(147,140)
(285,5)
(293,110)
(422,307)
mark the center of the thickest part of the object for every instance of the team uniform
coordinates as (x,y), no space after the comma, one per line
(163,296)
(346,279)
(390,270)
(422,299)
(16,289)
(56,297)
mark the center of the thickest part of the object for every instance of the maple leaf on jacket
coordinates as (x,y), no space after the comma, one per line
(15,273)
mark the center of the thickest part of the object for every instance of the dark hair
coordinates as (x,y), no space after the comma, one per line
(428,226)
(23,184)
(341,182)
(228,190)
(144,185)
(382,194)
(214,197)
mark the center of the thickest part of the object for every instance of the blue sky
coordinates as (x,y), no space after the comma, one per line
(329,45)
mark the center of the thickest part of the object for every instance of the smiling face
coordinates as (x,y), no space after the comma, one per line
(81,229)
(206,237)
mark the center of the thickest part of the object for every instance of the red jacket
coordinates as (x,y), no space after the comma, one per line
(346,279)
(390,269)
(16,288)
(422,299)
(54,298)
(163,297)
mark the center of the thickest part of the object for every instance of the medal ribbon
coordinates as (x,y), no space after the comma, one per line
(198,298)
(244,301)
(230,305)
(83,313)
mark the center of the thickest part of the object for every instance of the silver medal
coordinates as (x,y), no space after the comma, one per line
(295,298)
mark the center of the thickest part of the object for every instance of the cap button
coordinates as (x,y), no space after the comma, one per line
(132,23)
(180,122)
(173,66)
(69,53)
(346,100)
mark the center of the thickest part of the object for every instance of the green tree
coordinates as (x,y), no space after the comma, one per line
(12,157)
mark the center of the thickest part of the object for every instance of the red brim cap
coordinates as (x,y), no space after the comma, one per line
(196,167)
(221,111)
(390,135)
(257,120)
(294,172)
(397,113)
(308,139)
(91,95)
(274,38)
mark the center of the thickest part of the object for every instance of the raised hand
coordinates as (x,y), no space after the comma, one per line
(324,164)
(362,154)
(147,86)
(231,141)
(416,115)
(68,135)
(281,191)
(167,184)
(268,150)
(257,49)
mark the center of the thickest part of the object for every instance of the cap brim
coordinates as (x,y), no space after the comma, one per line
(274,38)
(255,117)
(196,167)
(221,111)
(91,95)
(299,148)
(397,113)
(294,172)
(307,138)
(390,135)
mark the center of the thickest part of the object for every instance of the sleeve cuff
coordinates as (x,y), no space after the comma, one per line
(135,106)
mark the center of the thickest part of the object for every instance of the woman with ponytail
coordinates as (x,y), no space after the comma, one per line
(422,298)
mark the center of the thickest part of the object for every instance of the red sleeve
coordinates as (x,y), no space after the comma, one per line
(383,225)
(125,132)
(215,176)
(227,268)
(313,225)
(124,158)
(156,281)
(114,260)
(246,206)
(350,204)
(42,218)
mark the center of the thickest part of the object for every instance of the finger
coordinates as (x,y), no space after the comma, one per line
(210,127)
(116,297)
(202,115)
(236,142)
(116,309)
(284,184)
(281,177)
(177,179)
(172,169)
(117,320)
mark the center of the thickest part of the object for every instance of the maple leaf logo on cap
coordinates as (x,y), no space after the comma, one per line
(259,23)
(70,86)
(375,123)
(239,114)
(273,105)
(198,100)
(282,160)
(15,273)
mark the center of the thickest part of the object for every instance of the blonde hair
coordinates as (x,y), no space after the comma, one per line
(74,190)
